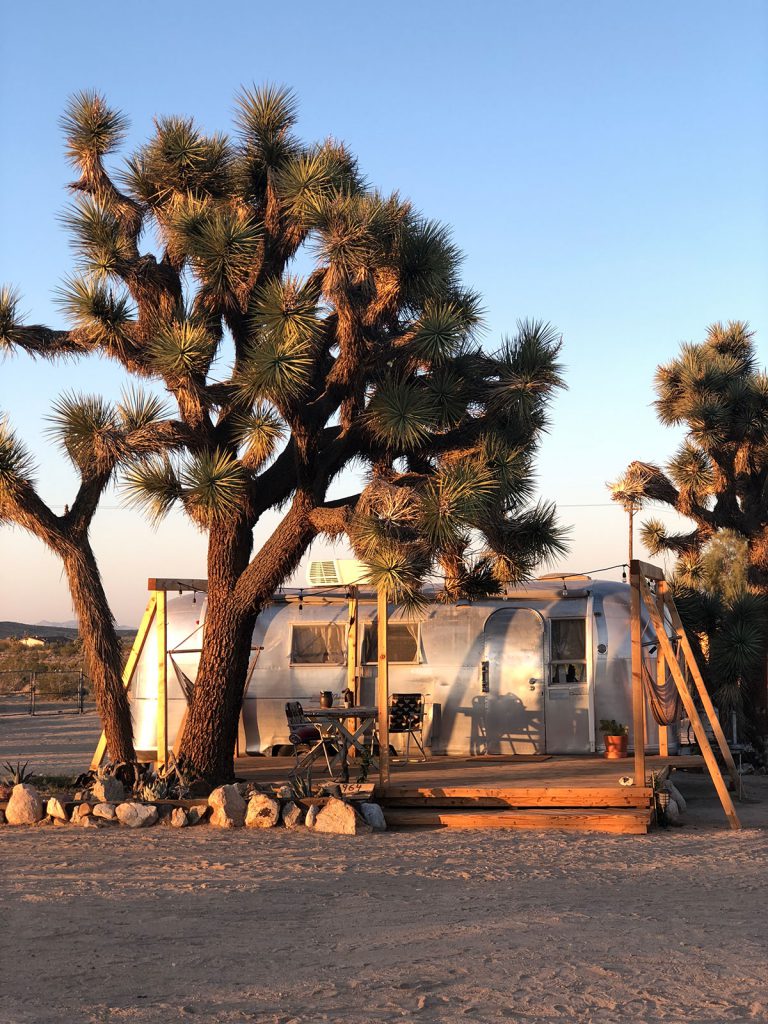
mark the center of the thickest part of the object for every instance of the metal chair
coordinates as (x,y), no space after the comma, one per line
(303,733)
(406,715)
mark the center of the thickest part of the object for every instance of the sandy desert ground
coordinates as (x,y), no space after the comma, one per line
(298,928)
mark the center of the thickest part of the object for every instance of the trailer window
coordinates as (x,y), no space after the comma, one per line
(569,651)
(322,644)
(402,643)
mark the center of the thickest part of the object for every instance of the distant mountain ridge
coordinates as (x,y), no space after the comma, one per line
(48,630)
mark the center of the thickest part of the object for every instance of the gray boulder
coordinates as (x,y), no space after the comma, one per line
(263,811)
(105,811)
(341,819)
(25,806)
(292,815)
(197,814)
(136,815)
(108,791)
(374,815)
(311,817)
(228,807)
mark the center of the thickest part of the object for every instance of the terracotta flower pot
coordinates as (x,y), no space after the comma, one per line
(615,747)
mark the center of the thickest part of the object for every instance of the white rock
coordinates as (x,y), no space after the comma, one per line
(228,807)
(292,815)
(374,815)
(263,811)
(108,791)
(311,817)
(179,818)
(25,806)
(105,811)
(55,807)
(340,818)
(676,795)
(136,815)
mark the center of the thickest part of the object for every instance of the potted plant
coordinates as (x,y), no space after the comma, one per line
(615,736)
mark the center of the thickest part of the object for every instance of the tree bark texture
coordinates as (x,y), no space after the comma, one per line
(101,646)
(237,592)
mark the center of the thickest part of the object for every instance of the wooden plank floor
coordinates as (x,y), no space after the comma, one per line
(570,793)
(454,771)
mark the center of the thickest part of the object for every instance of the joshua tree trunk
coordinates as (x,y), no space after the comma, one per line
(237,591)
(102,650)
(211,730)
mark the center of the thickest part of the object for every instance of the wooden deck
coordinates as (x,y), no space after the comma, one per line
(532,793)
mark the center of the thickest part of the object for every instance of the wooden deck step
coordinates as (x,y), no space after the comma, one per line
(516,796)
(615,820)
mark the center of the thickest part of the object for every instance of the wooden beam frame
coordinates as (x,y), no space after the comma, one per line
(638,694)
(661,668)
(641,588)
(130,668)
(161,631)
(382,687)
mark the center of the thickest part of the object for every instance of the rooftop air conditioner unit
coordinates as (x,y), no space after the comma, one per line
(337,572)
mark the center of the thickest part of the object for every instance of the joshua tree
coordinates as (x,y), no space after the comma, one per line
(281,382)
(95,436)
(719,476)
(719,480)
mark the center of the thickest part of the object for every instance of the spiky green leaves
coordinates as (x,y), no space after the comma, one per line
(259,433)
(88,430)
(225,253)
(314,175)
(210,485)
(279,361)
(266,113)
(16,464)
(452,501)
(181,348)
(401,415)
(180,160)
(103,314)
(527,367)
(10,318)
(91,128)
(517,543)
(98,236)
(440,331)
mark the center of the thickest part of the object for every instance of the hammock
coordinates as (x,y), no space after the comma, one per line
(664,701)
(186,684)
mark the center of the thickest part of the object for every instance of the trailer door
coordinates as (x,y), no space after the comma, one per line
(511,713)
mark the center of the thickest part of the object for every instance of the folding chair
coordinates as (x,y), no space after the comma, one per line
(303,733)
(406,715)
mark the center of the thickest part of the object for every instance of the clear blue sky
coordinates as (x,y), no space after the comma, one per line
(603,166)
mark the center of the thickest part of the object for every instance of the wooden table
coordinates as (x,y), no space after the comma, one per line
(332,723)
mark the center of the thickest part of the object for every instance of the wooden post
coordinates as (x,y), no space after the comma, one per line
(638,696)
(382,688)
(130,668)
(690,707)
(352,644)
(701,689)
(661,670)
(161,632)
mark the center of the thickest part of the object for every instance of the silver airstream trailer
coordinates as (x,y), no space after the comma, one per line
(531,673)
